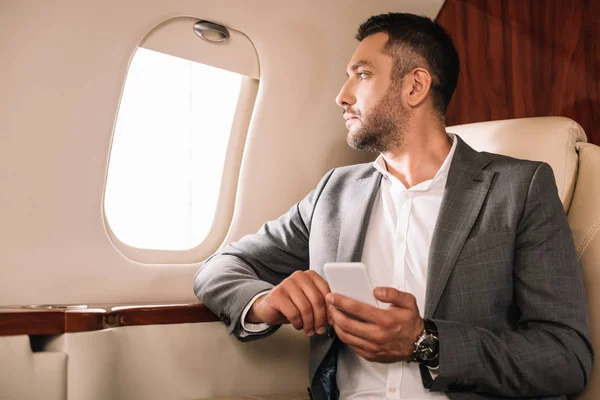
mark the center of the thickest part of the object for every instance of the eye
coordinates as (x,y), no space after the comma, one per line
(362,75)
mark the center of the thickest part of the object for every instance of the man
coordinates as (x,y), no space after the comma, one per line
(470,251)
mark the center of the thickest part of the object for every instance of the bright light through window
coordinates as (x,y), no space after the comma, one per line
(168,151)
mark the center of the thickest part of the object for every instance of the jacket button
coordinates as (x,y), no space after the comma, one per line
(225,318)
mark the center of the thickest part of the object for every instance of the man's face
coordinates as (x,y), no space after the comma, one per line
(373,111)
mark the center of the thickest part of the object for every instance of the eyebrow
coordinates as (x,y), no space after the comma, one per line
(361,63)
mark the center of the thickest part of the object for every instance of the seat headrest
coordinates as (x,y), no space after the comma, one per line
(549,139)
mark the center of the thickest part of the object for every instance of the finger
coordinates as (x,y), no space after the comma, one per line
(354,341)
(289,310)
(360,310)
(396,297)
(319,282)
(304,307)
(317,300)
(363,330)
(263,310)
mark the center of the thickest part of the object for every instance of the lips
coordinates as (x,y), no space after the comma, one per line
(350,120)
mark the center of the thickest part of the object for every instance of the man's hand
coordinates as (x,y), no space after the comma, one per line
(299,300)
(380,335)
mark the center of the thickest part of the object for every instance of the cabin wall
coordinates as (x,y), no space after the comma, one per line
(526,59)
(183,361)
(64,66)
(28,375)
(66,63)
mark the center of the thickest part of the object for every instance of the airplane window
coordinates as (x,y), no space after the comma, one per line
(168,151)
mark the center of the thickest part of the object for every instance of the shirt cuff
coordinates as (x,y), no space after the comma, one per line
(434,371)
(253,328)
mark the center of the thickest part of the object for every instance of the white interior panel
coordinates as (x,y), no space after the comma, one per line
(173,37)
(25,375)
(182,361)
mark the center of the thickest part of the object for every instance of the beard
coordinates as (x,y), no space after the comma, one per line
(384,129)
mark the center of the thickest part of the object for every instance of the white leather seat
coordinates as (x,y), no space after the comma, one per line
(554,140)
(561,142)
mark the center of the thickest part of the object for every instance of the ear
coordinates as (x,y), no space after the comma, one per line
(420,85)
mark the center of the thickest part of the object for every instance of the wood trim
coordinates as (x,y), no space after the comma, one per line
(31,323)
(526,59)
(28,321)
(84,321)
(159,315)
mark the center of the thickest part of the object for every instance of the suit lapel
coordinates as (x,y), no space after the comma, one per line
(355,215)
(466,189)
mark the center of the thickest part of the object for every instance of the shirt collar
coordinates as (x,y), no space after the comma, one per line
(381,166)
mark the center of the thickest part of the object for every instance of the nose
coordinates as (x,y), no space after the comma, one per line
(346,95)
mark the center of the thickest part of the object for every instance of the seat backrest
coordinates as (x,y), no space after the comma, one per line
(549,139)
(561,142)
(584,218)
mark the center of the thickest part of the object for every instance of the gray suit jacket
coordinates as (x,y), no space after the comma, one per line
(504,286)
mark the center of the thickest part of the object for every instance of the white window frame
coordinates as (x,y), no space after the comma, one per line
(174,31)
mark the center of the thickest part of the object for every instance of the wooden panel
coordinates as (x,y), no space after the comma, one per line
(526,59)
(20,322)
(157,315)
(27,321)
(90,320)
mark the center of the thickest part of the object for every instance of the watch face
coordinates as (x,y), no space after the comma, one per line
(428,348)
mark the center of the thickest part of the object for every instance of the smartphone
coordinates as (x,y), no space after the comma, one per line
(350,279)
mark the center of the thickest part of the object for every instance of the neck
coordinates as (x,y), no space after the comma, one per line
(422,154)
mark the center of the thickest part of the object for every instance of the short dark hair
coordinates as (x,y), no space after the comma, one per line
(427,42)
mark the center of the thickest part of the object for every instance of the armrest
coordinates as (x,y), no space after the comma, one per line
(48,320)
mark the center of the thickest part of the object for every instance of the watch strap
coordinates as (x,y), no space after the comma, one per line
(429,334)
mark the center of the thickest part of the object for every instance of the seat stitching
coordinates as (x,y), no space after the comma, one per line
(564,188)
(585,237)
(588,238)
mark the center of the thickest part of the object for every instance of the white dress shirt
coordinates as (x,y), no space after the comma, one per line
(396,253)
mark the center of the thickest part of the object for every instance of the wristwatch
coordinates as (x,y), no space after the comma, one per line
(427,346)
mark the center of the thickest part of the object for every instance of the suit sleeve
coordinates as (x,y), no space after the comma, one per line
(228,280)
(549,352)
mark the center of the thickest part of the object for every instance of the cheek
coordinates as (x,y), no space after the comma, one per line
(369,98)
(365,103)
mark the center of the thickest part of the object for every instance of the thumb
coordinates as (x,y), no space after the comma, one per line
(395,297)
